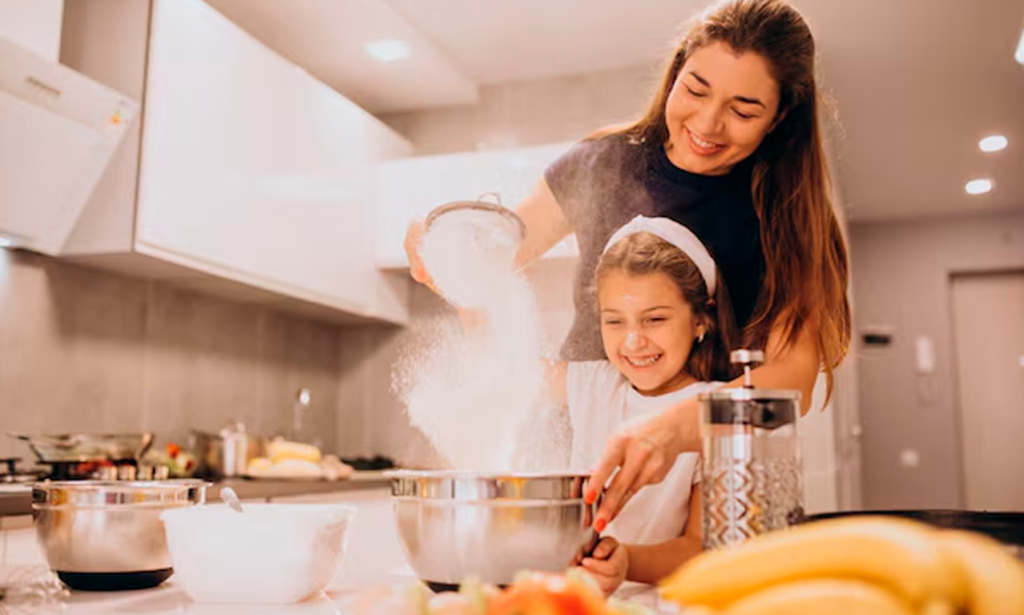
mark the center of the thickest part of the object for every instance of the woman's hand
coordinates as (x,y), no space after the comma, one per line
(643,455)
(413,237)
(608,564)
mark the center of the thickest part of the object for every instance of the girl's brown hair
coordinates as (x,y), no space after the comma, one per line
(644,254)
(805,252)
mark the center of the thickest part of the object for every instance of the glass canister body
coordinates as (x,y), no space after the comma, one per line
(752,479)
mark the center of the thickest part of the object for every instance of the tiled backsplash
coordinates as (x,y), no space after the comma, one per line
(87,350)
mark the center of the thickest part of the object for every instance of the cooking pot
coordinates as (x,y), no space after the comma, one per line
(84,447)
(1006,527)
(226,454)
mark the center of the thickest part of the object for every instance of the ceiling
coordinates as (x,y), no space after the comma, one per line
(916,82)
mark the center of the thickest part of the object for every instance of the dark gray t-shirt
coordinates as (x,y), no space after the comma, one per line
(604,183)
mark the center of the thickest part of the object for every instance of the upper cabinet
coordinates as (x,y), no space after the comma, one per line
(409,188)
(245,170)
(33,24)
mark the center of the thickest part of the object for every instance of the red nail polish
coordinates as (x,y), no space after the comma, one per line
(599,525)
(590,496)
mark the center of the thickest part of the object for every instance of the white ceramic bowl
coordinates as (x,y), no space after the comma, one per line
(269,554)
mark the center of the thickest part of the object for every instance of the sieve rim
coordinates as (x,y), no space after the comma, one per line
(507,213)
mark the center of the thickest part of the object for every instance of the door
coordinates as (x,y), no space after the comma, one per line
(988,329)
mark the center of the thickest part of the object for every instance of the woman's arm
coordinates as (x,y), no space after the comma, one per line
(652,563)
(546,224)
(645,453)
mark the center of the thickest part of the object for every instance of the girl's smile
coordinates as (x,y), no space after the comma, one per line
(648,330)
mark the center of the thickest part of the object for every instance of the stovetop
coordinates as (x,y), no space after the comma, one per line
(13,473)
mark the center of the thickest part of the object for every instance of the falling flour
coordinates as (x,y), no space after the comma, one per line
(477,389)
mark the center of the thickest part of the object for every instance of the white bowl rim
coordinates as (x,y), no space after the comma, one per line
(335,512)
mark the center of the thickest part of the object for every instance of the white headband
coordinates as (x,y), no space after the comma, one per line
(677,235)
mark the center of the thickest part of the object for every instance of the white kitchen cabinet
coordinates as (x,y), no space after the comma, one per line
(409,188)
(252,179)
(34,24)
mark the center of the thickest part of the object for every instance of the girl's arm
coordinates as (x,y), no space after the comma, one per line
(645,453)
(555,377)
(652,563)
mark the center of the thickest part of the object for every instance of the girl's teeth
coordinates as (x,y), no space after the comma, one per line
(643,362)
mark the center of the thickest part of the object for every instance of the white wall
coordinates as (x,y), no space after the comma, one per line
(34,24)
(902,284)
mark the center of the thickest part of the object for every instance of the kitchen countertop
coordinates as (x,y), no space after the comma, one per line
(374,559)
(17,499)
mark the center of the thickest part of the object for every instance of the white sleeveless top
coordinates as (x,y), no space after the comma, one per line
(602,401)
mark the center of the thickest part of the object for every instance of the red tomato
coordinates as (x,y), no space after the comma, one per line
(549,595)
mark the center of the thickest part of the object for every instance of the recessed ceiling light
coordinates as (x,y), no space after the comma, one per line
(993,143)
(387,49)
(978,186)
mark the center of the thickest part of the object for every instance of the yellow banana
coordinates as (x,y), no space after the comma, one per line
(902,555)
(995,579)
(280,450)
(821,597)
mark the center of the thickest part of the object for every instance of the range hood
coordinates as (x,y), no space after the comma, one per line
(58,131)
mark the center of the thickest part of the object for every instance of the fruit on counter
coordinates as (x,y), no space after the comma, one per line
(546,594)
(573,593)
(262,467)
(854,565)
(995,580)
(330,468)
(280,450)
(179,463)
(819,596)
(902,555)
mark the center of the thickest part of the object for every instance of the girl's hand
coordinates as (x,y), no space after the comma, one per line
(608,564)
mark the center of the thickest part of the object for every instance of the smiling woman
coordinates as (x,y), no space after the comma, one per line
(721,106)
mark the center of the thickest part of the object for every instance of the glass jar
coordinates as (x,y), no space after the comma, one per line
(752,477)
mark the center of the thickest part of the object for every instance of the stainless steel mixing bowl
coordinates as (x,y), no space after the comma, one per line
(108,535)
(455,525)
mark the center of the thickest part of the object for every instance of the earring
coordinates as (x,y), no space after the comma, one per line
(700,338)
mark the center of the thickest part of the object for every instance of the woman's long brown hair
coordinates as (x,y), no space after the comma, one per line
(804,249)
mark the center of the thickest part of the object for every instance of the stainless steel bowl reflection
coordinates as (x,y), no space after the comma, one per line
(455,525)
(108,534)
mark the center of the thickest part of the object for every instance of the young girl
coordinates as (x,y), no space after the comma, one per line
(665,326)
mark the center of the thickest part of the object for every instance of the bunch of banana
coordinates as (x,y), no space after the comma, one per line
(854,566)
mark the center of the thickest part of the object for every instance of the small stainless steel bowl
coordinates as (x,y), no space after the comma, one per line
(107,535)
(454,525)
